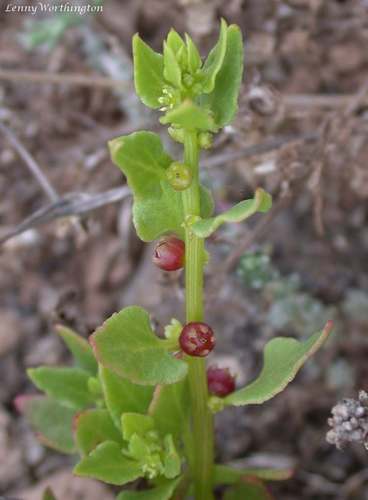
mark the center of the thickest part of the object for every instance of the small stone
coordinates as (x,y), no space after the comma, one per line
(10,331)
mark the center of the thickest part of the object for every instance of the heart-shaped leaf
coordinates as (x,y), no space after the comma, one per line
(108,464)
(126,344)
(261,202)
(283,357)
(157,209)
(80,348)
(148,73)
(93,427)
(69,385)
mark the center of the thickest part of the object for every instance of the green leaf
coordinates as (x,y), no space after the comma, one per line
(251,489)
(174,41)
(69,385)
(48,494)
(52,421)
(108,464)
(134,423)
(224,474)
(157,207)
(283,357)
(162,492)
(194,59)
(172,71)
(138,449)
(223,101)
(207,202)
(214,60)
(79,347)
(189,116)
(122,396)
(170,408)
(126,344)
(260,203)
(94,427)
(172,461)
(148,73)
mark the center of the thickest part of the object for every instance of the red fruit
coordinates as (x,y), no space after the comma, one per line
(197,339)
(169,254)
(220,381)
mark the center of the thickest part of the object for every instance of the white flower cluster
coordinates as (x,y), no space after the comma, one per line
(349,422)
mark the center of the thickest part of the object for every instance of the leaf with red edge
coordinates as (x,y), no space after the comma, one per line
(283,357)
(50,419)
(126,344)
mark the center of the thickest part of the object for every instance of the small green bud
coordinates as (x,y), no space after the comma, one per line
(177,134)
(173,330)
(179,176)
(197,89)
(205,140)
(215,404)
(188,80)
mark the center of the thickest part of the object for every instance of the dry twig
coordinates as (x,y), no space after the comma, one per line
(63,79)
(257,149)
(30,162)
(66,206)
(79,203)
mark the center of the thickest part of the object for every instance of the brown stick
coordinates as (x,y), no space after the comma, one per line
(31,163)
(297,100)
(63,78)
(66,206)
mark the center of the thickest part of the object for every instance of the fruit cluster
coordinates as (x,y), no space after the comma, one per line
(196,338)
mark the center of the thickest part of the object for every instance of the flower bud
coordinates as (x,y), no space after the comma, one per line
(179,176)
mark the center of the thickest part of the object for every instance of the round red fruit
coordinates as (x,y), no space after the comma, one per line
(220,381)
(169,254)
(197,339)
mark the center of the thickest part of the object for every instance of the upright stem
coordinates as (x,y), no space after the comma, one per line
(202,420)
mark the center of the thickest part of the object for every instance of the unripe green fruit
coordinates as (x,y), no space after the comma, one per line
(179,176)
(205,140)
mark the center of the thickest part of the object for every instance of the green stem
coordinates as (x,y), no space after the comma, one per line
(202,420)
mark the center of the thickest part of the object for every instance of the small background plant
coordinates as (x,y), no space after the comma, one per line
(136,405)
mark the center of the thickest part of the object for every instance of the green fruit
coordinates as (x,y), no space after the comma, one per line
(205,140)
(179,176)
